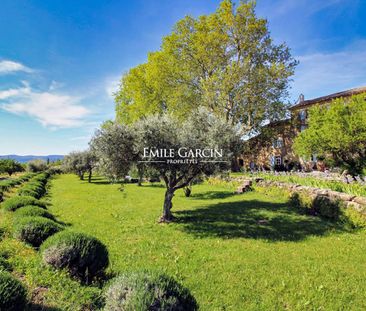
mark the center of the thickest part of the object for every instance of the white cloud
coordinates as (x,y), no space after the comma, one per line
(55,85)
(10,93)
(112,84)
(51,109)
(8,66)
(324,73)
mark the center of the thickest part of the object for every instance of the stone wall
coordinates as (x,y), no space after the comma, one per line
(350,201)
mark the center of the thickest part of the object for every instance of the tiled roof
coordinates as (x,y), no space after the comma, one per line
(327,98)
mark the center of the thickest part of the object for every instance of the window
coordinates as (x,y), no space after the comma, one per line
(278,160)
(302,115)
(278,143)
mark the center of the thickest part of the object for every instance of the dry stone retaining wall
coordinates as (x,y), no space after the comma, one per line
(350,201)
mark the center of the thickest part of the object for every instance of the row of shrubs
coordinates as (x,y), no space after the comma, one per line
(85,258)
(36,187)
(7,184)
(33,224)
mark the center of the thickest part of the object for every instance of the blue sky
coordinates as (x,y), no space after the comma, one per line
(60,60)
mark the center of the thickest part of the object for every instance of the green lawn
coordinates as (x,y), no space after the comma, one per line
(234,252)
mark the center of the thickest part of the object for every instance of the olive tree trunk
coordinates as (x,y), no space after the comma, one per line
(90,175)
(167,214)
(81,175)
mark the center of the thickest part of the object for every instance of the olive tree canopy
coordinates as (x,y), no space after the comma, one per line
(203,144)
(80,162)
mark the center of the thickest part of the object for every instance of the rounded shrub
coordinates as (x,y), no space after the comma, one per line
(82,255)
(326,207)
(36,187)
(354,218)
(148,291)
(35,230)
(8,184)
(31,191)
(16,202)
(13,294)
(33,211)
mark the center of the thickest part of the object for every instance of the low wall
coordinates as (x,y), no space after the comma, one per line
(350,201)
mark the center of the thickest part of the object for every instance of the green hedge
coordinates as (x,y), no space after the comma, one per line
(16,202)
(34,211)
(7,184)
(36,187)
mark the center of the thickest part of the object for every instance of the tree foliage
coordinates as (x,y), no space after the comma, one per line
(37,165)
(118,147)
(80,163)
(226,62)
(337,131)
(10,166)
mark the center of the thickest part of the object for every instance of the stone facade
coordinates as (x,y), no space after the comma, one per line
(273,147)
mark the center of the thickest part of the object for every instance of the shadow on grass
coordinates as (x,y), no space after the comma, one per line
(39,307)
(103,182)
(253,220)
(153,185)
(212,195)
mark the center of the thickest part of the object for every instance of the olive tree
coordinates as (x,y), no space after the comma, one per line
(80,163)
(37,165)
(203,144)
(10,166)
(116,148)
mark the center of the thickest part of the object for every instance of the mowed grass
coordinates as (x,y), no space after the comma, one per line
(234,252)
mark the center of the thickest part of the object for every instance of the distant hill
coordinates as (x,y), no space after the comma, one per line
(27,158)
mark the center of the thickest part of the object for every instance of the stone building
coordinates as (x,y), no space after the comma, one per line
(273,147)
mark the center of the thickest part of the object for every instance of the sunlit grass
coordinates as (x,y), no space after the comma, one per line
(234,252)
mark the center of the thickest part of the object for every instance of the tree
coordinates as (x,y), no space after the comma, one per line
(337,131)
(80,163)
(37,165)
(226,62)
(89,160)
(116,148)
(203,144)
(10,166)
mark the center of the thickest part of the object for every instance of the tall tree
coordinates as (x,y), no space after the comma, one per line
(337,131)
(225,61)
